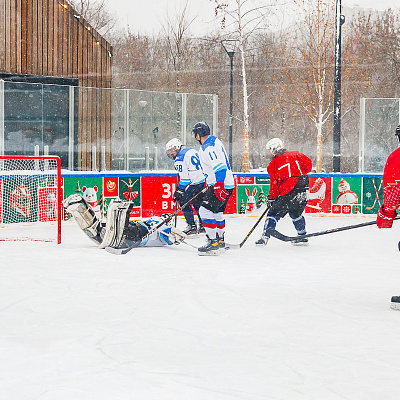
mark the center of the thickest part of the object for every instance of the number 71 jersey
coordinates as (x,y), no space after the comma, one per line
(284,171)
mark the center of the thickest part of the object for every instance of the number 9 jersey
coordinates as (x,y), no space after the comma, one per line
(187,163)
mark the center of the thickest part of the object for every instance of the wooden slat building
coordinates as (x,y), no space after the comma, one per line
(47,38)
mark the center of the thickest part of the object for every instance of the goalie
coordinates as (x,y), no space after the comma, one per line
(118,232)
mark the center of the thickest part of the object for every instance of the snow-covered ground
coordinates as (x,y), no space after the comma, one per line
(281,322)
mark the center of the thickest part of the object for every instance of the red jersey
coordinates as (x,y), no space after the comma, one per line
(391,174)
(284,171)
(391,182)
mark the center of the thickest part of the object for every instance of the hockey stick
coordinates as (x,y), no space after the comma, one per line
(285,238)
(152,230)
(239,246)
(176,217)
(376,195)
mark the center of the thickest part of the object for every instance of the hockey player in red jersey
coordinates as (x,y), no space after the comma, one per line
(391,198)
(391,189)
(289,189)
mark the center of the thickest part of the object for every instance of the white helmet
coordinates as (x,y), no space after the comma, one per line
(274,145)
(173,144)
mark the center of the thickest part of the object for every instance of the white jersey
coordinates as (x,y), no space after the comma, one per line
(187,163)
(215,163)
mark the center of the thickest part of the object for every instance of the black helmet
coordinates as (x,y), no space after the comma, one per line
(398,133)
(202,129)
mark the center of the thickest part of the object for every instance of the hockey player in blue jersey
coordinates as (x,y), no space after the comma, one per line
(118,232)
(191,181)
(216,168)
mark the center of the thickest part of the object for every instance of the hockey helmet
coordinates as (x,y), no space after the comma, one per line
(202,129)
(173,147)
(274,145)
(398,133)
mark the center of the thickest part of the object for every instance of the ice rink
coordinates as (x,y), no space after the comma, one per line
(279,323)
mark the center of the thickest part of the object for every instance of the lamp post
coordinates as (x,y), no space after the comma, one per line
(337,98)
(230,47)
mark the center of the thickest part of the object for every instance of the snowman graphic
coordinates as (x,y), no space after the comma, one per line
(346,196)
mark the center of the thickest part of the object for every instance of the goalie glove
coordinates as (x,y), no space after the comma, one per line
(220,192)
(176,236)
(384,219)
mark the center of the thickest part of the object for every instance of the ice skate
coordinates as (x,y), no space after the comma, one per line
(117,221)
(221,243)
(395,303)
(262,241)
(201,229)
(210,249)
(190,230)
(300,241)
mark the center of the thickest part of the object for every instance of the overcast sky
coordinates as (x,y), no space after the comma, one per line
(146,16)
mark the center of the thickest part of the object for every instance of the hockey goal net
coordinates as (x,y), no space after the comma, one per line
(30,198)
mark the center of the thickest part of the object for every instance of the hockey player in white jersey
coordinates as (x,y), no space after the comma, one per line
(216,168)
(118,232)
(191,181)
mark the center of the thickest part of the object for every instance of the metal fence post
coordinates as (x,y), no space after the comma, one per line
(361,136)
(71,128)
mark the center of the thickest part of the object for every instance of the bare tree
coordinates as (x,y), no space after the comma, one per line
(313,76)
(175,30)
(241,19)
(96,13)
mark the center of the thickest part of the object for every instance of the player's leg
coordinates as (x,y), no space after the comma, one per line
(296,209)
(277,211)
(210,226)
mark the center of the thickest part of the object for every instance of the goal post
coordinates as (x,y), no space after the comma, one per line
(30,198)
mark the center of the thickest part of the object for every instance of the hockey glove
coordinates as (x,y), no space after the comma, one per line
(220,192)
(269,202)
(384,219)
(178,194)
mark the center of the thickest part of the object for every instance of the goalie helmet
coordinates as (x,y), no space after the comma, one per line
(173,147)
(398,133)
(202,129)
(274,145)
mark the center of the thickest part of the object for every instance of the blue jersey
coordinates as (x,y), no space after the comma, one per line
(187,163)
(215,163)
(157,238)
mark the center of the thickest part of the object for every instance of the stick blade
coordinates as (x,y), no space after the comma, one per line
(233,246)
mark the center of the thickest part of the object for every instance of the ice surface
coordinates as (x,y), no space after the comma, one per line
(281,322)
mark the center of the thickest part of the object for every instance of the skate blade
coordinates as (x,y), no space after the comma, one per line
(304,244)
(209,253)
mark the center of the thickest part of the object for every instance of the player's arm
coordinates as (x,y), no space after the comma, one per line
(273,189)
(306,164)
(391,202)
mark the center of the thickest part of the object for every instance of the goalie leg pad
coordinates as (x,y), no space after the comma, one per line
(84,216)
(117,223)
